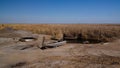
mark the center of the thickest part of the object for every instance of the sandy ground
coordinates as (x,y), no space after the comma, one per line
(70,55)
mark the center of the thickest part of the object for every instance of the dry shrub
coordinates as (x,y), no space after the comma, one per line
(100,32)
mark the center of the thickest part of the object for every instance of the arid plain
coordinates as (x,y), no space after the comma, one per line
(88,46)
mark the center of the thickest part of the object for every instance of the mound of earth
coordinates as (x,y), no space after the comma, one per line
(11,33)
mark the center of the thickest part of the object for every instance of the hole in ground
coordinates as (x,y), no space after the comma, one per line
(87,41)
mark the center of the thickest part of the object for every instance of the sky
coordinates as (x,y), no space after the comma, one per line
(60,11)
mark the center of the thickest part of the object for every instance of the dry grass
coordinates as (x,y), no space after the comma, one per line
(99,32)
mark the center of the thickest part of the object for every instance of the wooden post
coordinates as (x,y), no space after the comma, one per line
(43,41)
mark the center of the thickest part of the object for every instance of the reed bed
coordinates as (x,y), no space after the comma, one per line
(101,32)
